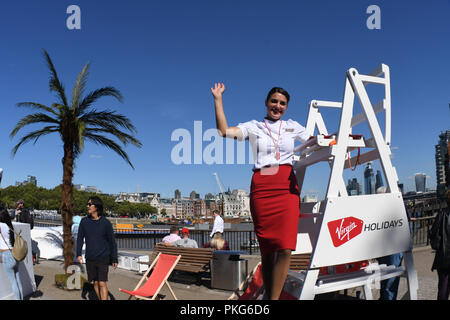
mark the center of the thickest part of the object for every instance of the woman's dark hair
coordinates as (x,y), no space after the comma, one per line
(278,90)
(5,218)
(98,203)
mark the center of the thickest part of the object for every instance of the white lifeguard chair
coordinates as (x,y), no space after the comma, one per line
(343,229)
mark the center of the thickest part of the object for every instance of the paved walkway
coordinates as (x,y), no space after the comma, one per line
(186,288)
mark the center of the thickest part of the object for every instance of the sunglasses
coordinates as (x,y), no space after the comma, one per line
(89,204)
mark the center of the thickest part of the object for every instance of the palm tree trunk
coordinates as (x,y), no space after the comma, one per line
(67,205)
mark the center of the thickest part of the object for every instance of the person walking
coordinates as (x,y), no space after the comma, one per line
(10,264)
(274,192)
(440,241)
(218,223)
(101,249)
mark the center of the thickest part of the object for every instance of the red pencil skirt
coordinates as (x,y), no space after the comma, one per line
(275,208)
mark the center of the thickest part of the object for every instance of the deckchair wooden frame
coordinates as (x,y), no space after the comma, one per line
(247,282)
(164,282)
(297,262)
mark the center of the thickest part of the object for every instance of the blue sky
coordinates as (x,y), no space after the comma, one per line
(165,55)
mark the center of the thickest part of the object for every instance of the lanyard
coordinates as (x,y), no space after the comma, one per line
(277,152)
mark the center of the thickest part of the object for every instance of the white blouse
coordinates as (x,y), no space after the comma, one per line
(282,132)
(4,229)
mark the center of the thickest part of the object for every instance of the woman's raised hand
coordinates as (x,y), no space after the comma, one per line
(218,90)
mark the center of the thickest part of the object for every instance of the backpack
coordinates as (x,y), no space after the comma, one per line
(20,248)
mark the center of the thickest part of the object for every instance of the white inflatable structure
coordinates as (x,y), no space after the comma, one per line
(344,229)
(48,242)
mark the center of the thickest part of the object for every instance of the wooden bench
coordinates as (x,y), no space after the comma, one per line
(194,260)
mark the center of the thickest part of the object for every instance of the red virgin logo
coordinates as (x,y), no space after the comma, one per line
(345,229)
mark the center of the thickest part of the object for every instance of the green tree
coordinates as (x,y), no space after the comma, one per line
(126,208)
(75,121)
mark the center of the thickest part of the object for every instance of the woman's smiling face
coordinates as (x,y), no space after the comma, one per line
(276,106)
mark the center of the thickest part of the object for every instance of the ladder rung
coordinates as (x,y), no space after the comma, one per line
(329,104)
(320,155)
(320,142)
(372,79)
(363,158)
(361,117)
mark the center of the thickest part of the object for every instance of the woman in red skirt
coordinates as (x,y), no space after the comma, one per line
(274,196)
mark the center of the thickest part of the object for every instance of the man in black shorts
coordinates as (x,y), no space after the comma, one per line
(101,248)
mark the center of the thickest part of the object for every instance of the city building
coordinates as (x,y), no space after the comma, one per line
(237,203)
(354,188)
(30,180)
(369,179)
(169,207)
(420,179)
(401,188)
(194,195)
(150,198)
(378,180)
(92,189)
(187,208)
(442,163)
(309,198)
(211,204)
(177,194)
(139,197)
(79,187)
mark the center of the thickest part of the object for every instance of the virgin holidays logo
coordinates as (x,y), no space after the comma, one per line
(345,229)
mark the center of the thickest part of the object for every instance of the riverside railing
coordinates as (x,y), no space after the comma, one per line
(420,228)
(146,239)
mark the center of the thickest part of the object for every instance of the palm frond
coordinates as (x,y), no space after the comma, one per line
(101,140)
(122,136)
(79,86)
(80,143)
(54,83)
(106,118)
(93,96)
(35,105)
(35,135)
(30,119)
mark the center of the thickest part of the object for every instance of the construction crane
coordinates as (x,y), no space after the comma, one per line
(222,191)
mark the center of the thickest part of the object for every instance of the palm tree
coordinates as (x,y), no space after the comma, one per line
(75,121)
